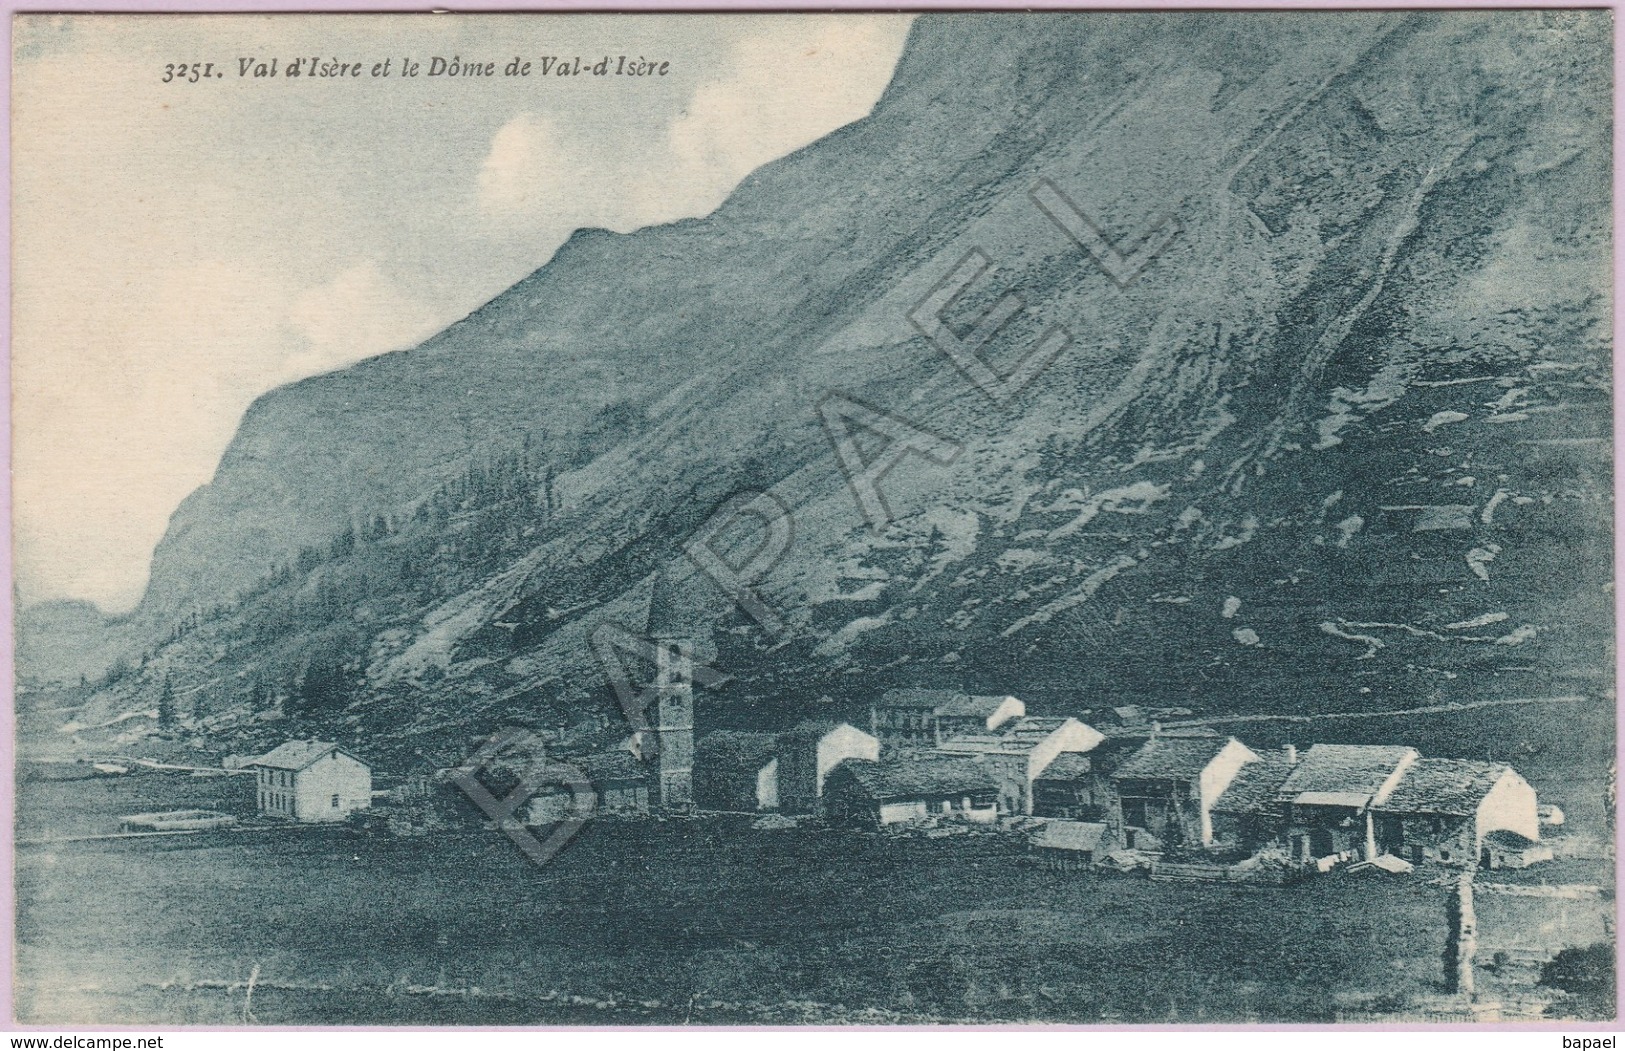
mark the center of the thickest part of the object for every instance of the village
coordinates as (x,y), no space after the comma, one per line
(1114,805)
(1120,790)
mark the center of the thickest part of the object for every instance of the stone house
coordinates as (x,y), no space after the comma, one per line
(1069,788)
(1019,750)
(804,757)
(905,720)
(1168,787)
(974,715)
(869,794)
(619,780)
(1443,810)
(1326,801)
(1248,815)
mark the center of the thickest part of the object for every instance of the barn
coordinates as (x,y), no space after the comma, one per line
(1442,810)
(1067,846)
(868,794)
(1169,785)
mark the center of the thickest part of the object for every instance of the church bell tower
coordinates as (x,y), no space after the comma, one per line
(674,722)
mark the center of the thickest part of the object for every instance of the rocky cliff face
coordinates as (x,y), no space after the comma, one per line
(1325,427)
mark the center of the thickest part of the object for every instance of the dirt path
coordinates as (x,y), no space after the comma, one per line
(1432,709)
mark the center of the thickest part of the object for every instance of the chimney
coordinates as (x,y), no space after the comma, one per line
(1291,753)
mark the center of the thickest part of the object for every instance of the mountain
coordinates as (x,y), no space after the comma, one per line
(1327,428)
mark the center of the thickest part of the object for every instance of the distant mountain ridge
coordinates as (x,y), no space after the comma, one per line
(1346,436)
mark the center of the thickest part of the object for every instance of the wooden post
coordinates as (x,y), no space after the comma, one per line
(1462,945)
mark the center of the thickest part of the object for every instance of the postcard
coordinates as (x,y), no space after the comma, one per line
(1072,518)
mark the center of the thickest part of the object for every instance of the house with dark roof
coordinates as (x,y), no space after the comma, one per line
(311,781)
(1248,813)
(914,719)
(619,780)
(805,755)
(1167,787)
(1082,782)
(1019,750)
(1066,846)
(1328,797)
(1124,715)
(1068,788)
(870,794)
(575,787)
(906,719)
(976,714)
(1445,810)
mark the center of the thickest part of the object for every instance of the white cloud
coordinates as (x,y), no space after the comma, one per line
(357,314)
(514,177)
(788,82)
(791,83)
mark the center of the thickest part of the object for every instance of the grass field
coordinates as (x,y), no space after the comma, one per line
(660,922)
(710,922)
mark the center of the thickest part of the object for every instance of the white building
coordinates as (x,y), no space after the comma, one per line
(312,781)
(793,780)
(1020,749)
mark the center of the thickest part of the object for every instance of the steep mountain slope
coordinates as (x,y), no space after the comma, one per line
(1343,441)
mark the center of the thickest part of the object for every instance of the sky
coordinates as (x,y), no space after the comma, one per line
(181,248)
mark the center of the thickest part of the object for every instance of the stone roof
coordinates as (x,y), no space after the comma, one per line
(1069,835)
(1343,774)
(296,755)
(1256,786)
(1176,759)
(924,777)
(807,730)
(915,697)
(1111,753)
(1507,839)
(1068,766)
(980,707)
(1016,737)
(1452,787)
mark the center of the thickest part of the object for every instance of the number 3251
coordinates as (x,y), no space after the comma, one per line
(187,72)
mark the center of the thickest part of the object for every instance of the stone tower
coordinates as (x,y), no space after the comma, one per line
(674,722)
